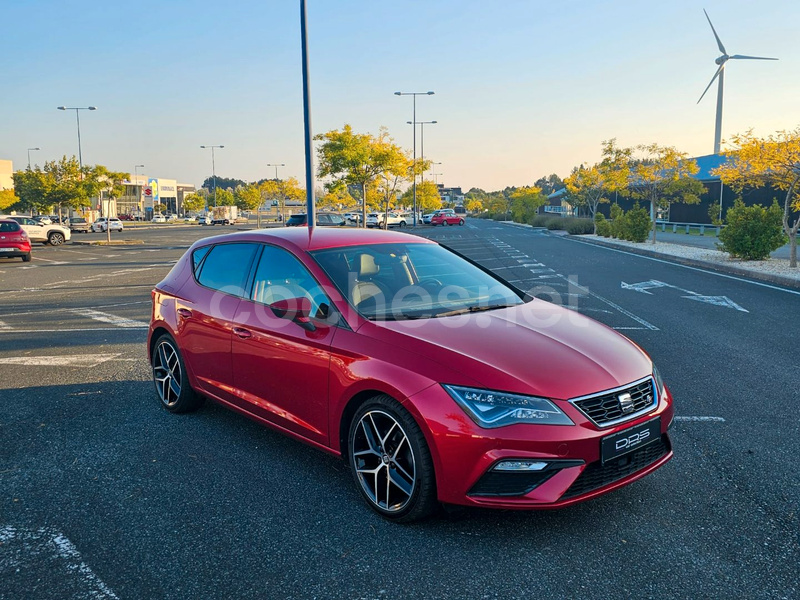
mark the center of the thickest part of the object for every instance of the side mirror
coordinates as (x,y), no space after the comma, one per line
(297,310)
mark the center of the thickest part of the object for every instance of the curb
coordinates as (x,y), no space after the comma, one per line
(702,264)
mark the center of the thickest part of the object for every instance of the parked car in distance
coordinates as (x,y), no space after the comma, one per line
(55,235)
(126,217)
(14,242)
(426,218)
(323,219)
(446,216)
(189,219)
(395,219)
(171,217)
(205,220)
(102,224)
(45,220)
(356,342)
(79,225)
(158,219)
(353,216)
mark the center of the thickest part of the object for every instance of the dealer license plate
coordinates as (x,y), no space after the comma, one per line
(631,439)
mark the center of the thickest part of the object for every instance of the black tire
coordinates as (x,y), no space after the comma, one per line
(445,223)
(170,378)
(403,456)
(26,257)
(402,224)
(55,238)
(461,222)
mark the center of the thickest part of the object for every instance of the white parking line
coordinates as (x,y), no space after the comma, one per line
(23,548)
(78,360)
(109,318)
(55,262)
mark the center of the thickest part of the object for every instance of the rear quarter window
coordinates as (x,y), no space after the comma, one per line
(8,227)
(226,267)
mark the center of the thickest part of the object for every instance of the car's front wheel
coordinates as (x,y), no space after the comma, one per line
(391,462)
(55,238)
(461,222)
(169,376)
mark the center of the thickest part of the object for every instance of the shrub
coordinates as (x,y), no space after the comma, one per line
(602,227)
(753,232)
(636,224)
(616,220)
(579,226)
(539,220)
(554,223)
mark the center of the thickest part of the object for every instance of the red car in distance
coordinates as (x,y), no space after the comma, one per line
(446,217)
(436,381)
(14,242)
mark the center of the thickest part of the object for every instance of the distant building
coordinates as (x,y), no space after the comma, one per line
(6,175)
(451,194)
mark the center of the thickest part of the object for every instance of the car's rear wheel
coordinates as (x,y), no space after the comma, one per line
(55,238)
(391,462)
(445,222)
(26,257)
(169,376)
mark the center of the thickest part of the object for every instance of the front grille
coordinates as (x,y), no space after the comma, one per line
(597,475)
(604,409)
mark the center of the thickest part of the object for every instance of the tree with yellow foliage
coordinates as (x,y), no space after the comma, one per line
(771,161)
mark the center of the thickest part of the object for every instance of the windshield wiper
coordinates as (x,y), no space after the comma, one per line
(472,309)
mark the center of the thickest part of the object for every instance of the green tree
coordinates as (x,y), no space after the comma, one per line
(250,197)
(525,203)
(223,183)
(158,207)
(33,188)
(99,181)
(473,205)
(548,185)
(281,190)
(7,199)
(194,203)
(356,158)
(771,161)
(428,198)
(661,175)
(223,198)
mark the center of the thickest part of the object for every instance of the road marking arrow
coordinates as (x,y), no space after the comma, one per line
(643,286)
(717,301)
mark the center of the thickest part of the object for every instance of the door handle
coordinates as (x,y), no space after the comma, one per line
(184,313)
(242,332)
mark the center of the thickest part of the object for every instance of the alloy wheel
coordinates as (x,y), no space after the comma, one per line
(56,239)
(167,373)
(383,460)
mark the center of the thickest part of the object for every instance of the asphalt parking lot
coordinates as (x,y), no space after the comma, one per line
(103,494)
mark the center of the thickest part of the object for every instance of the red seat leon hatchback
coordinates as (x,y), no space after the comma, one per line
(14,242)
(435,380)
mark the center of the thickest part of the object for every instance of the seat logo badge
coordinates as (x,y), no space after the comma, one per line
(626,403)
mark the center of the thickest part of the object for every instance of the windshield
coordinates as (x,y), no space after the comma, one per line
(412,281)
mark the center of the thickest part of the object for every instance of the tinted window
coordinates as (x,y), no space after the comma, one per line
(323,220)
(226,268)
(336,219)
(197,256)
(7,227)
(281,276)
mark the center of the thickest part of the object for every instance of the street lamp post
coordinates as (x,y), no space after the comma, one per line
(280,208)
(29,156)
(214,170)
(414,119)
(77,110)
(422,143)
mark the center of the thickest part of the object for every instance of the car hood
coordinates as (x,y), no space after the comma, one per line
(536,348)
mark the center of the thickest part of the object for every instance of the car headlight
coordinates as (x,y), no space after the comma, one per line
(659,382)
(491,409)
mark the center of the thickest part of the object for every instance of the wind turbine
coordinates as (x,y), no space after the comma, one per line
(721,74)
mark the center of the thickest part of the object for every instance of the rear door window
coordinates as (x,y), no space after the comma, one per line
(226,267)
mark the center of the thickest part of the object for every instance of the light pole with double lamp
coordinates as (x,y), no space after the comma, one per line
(213,170)
(422,143)
(29,156)
(77,110)
(414,120)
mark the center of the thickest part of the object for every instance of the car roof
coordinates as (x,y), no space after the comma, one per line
(319,238)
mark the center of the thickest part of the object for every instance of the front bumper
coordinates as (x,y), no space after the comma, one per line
(464,455)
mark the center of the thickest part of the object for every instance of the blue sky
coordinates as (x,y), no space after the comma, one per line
(523,88)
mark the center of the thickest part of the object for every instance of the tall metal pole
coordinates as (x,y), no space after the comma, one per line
(80,156)
(310,216)
(214,175)
(718,125)
(414,170)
